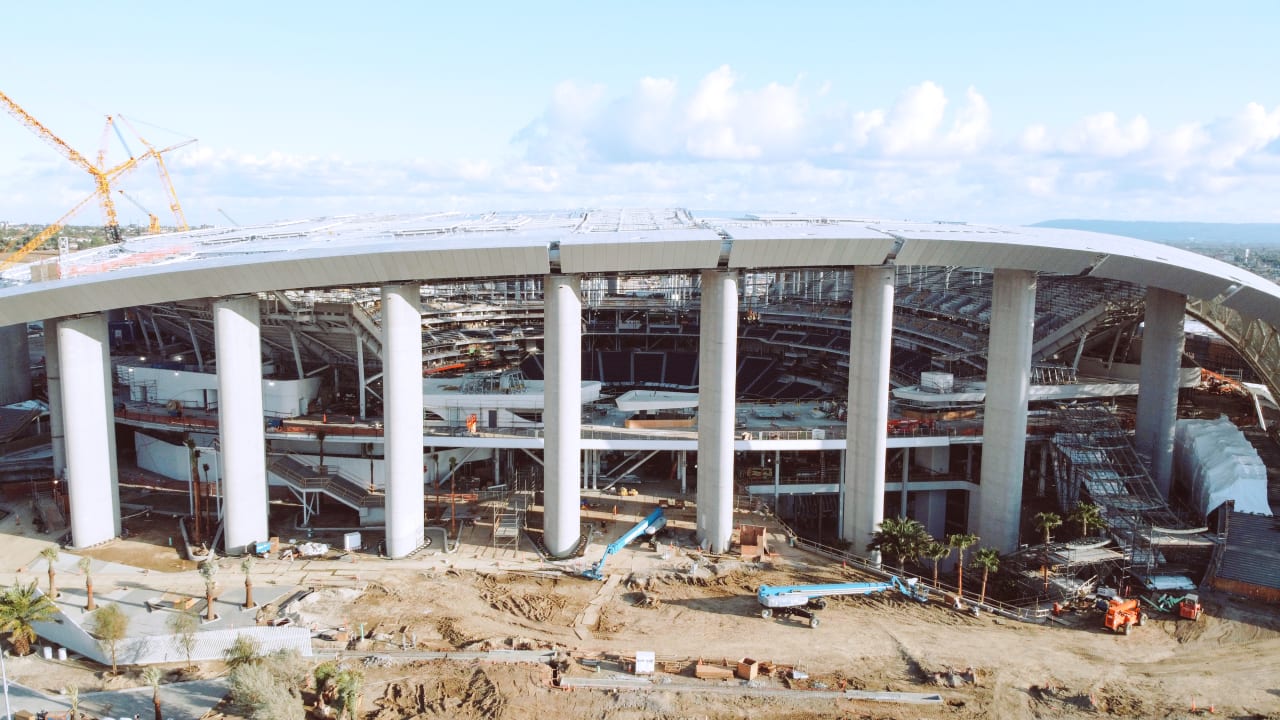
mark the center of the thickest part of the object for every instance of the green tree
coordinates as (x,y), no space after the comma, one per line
(51,554)
(243,651)
(153,676)
(1087,515)
(900,538)
(987,560)
(209,571)
(935,552)
(21,607)
(85,566)
(961,542)
(110,625)
(1045,522)
(184,626)
(246,565)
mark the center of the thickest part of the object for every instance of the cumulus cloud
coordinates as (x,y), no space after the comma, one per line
(726,140)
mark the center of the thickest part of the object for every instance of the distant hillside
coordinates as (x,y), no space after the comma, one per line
(1254,235)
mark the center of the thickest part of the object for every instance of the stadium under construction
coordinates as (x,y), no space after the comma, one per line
(835,370)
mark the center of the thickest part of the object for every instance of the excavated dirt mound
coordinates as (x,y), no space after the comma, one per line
(507,594)
(453,692)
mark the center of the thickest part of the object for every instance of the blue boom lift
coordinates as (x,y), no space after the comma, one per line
(803,600)
(648,526)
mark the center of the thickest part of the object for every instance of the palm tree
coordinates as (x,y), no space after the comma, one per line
(935,552)
(246,565)
(209,569)
(1046,522)
(1087,515)
(988,560)
(73,699)
(961,542)
(349,682)
(21,607)
(84,566)
(900,537)
(153,676)
(51,554)
(194,456)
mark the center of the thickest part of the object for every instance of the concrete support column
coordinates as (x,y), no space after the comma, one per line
(15,364)
(237,340)
(402,410)
(1004,432)
(92,480)
(53,377)
(562,417)
(683,472)
(870,342)
(717,362)
(1162,341)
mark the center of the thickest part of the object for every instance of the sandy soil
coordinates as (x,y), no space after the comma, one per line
(983,667)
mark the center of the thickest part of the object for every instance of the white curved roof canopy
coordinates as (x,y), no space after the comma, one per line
(375,250)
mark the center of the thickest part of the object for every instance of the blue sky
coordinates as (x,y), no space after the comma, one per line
(988,112)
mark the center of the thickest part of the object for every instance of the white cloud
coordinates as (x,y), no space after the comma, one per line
(1103,135)
(729,141)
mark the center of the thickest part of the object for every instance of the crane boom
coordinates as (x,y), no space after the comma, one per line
(12,258)
(174,206)
(100,176)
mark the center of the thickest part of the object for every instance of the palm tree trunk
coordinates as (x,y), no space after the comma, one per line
(960,575)
(208,599)
(935,573)
(982,596)
(88,587)
(53,594)
(248,593)
(155,700)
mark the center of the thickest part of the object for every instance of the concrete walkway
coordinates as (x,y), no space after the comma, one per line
(181,701)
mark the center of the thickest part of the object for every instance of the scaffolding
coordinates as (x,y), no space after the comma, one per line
(1094,461)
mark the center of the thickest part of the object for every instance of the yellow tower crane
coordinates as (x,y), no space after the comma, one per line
(101,176)
(10,256)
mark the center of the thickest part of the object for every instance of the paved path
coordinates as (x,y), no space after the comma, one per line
(181,701)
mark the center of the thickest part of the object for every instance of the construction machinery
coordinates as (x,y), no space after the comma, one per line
(649,526)
(1184,606)
(153,222)
(804,600)
(1123,614)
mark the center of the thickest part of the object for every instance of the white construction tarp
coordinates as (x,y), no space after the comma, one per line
(1220,464)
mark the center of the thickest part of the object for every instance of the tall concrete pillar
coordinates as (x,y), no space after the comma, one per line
(92,481)
(402,410)
(562,416)
(53,376)
(15,364)
(870,342)
(717,385)
(1004,431)
(237,341)
(1162,341)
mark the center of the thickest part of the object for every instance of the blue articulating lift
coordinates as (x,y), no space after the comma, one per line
(803,600)
(648,526)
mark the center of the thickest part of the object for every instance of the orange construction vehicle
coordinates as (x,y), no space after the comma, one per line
(1190,607)
(1123,614)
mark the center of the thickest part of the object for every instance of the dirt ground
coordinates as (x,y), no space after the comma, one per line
(982,667)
